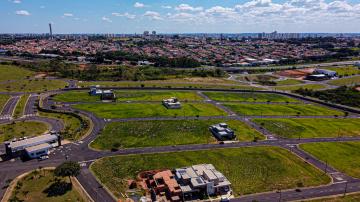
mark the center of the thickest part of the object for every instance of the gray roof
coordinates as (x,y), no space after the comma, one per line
(22,144)
(38,147)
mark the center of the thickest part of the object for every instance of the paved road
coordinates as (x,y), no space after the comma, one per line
(30,108)
(8,109)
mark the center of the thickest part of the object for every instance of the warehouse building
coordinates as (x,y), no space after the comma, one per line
(34,147)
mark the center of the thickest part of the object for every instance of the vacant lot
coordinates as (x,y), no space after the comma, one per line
(21,129)
(345,156)
(248,97)
(11,72)
(160,133)
(312,128)
(3,100)
(283,109)
(296,87)
(346,81)
(133,110)
(164,84)
(40,185)
(288,82)
(35,85)
(83,96)
(345,71)
(250,170)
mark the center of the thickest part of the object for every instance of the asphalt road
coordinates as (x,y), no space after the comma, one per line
(9,107)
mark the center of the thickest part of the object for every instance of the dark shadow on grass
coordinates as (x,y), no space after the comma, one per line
(58,188)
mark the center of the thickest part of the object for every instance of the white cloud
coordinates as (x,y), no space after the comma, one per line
(17,1)
(127,15)
(22,12)
(139,5)
(187,7)
(42,7)
(153,15)
(106,19)
(68,15)
(166,7)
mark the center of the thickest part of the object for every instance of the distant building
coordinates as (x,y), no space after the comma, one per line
(94,90)
(172,103)
(326,72)
(144,62)
(146,33)
(222,132)
(107,95)
(357,64)
(32,147)
(317,77)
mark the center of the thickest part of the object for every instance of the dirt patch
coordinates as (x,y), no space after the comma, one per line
(298,73)
(40,75)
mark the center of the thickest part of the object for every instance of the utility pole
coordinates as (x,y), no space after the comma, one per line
(326,166)
(346,184)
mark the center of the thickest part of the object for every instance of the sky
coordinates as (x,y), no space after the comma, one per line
(179,16)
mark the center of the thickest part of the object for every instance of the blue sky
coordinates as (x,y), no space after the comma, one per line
(179,16)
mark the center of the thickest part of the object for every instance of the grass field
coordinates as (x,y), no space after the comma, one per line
(83,96)
(283,109)
(345,71)
(39,186)
(10,72)
(248,97)
(250,170)
(347,198)
(20,106)
(344,157)
(345,81)
(133,110)
(164,84)
(305,86)
(311,128)
(35,85)
(288,82)
(21,129)
(72,124)
(3,100)
(162,133)
(256,77)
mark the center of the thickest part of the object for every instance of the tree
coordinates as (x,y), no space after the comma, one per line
(67,169)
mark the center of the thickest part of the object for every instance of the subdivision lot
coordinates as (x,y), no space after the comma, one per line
(288,82)
(248,97)
(11,72)
(311,128)
(250,170)
(344,157)
(161,133)
(345,71)
(35,85)
(134,110)
(346,81)
(21,129)
(83,96)
(281,109)
(42,185)
(296,87)
(3,100)
(164,84)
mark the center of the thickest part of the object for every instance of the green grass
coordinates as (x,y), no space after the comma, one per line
(346,81)
(250,170)
(133,110)
(248,97)
(283,109)
(311,128)
(21,129)
(83,96)
(344,157)
(305,86)
(3,100)
(32,188)
(345,71)
(36,85)
(11,72)
(19,110)
(347,198)
(165,84)
(162,133)
(72,125)
(288,82)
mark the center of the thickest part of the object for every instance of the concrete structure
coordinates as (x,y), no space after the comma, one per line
(222,132)
(32,147)
(199,180)
(172,103)
(317,77)
(108,95)
(94,90)
(326,72)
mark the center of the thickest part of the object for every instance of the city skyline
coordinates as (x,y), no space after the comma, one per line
(175,16)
